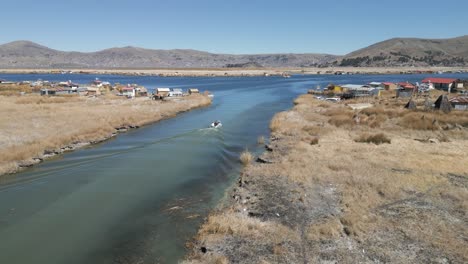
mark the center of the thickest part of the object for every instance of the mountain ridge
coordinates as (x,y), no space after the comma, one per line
(391,52)
(27,54)
(411,52)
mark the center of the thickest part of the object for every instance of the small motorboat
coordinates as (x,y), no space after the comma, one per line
(216,124)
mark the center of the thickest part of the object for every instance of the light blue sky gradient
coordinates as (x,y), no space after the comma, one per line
(238,27)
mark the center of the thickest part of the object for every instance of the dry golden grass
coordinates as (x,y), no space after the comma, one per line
(246,157)
(35,123)
(15,89)
(261,140)
(351,197)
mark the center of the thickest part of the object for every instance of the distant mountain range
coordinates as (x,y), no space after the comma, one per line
(411,51)
(26,54)
(393,52)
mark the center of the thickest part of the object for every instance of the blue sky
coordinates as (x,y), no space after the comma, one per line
(238,27)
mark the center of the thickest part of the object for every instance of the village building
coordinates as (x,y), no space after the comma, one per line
(459,103)
(446,84)
(176,92)
(142,91)
(129,91)
(162,92)
(357,90)
(376,85)
(389,86)
(48,91)
(193,91)
(405,89)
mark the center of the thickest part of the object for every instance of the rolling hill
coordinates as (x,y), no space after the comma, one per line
(411,51)
(392,52)
(26,54)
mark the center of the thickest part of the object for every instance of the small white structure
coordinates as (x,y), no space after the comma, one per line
(128,91)
(176,92)
(193,91)
(162,91)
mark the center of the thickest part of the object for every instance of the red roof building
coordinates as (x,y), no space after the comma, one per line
(442,83)
(439,80)
(406,85)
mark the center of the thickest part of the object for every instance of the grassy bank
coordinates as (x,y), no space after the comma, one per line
(382,184)
(33,127)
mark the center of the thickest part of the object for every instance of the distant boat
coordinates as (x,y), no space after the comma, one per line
(216,124)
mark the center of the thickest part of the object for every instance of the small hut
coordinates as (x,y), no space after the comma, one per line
(193,91)
(459,103)
(162,92)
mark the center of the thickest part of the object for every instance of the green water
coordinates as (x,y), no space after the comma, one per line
(141,196)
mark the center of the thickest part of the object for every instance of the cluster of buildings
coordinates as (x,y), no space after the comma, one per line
(404,89)
(98,87)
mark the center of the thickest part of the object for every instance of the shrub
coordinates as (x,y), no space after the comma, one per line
(377,139)
(246,157)
(418,121)
(341,120)
(261,140)
(314,141)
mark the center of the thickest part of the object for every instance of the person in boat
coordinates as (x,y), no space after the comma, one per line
(216,122)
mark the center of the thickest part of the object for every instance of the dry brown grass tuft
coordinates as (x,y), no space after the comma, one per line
(377,139)
(341,120)
(246,157)
(261,140)
(314,141)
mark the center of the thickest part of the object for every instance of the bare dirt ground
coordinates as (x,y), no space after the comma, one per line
(217,72)
(34,127)
(378,185)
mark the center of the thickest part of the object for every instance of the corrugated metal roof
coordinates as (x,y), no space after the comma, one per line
(459,99)
(406,85)
(439,80)
(354,86)
(163,89)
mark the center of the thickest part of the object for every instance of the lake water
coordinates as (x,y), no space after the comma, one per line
(139,197)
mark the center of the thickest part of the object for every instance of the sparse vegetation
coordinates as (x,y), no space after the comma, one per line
(37,124)
(344,201)
(377,139)
(261,140)
(246,157)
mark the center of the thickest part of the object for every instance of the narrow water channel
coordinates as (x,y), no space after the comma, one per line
(139,197)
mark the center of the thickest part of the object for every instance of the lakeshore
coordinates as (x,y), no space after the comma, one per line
(241,72)
(380,184)
(37,127)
